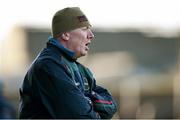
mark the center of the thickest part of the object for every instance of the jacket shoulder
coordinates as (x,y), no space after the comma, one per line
(49,55)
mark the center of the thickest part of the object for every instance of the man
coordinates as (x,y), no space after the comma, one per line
(56,85)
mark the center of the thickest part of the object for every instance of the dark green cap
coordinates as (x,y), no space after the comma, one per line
(68,19)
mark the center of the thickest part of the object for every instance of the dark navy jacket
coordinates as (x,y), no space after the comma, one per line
(48,90)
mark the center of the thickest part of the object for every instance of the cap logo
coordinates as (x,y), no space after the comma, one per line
(82,18)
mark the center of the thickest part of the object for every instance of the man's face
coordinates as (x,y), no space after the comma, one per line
(79,40)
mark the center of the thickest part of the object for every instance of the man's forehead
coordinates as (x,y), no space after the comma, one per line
(82,28)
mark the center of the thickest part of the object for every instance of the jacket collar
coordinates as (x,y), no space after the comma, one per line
(70,54)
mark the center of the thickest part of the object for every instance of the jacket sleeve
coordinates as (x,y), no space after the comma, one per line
(59,94)
(103,101)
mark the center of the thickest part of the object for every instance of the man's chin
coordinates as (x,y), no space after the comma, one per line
(81,55)
(84,54)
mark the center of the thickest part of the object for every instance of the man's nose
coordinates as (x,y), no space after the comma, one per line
(90,34)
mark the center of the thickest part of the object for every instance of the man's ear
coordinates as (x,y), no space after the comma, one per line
(65,36)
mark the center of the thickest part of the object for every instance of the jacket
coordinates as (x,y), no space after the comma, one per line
(52,88)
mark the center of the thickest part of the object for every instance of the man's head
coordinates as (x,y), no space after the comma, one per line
(71,27)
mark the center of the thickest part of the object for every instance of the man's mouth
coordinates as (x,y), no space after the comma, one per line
(87,46)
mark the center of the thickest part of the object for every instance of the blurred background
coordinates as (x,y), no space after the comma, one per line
(135,53)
